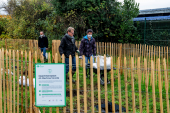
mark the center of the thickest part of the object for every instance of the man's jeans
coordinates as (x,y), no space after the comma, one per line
(44,51)
(73,64)
(88,59)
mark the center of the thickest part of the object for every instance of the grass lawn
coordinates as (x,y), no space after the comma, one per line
(102,93)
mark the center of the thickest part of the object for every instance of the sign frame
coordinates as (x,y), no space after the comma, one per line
(64,85)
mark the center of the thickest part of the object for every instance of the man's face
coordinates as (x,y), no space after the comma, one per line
(41,33)
(89,33)
(71,33)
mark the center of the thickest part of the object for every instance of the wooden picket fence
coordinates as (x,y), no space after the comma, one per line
(140,82)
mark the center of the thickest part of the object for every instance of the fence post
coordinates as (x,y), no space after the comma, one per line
(78,90)
(4,81)
(146,84)
(14,81)
(7,81)
(30,83)
(139,84)
(17,81)
(63,61)
(22,82)
(160,86)
(126,89)
(98,84)
(119,85)
(0,83)
(105,85)
(92,86)
(10,84)
(132,84)
(85,88)
(26,74)
(56,61)
(166,85)
(70,84)
(120,58)
(153,86)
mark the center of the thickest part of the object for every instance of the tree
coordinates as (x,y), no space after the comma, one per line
(110,20)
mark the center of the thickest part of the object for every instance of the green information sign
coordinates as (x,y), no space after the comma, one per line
(50,85)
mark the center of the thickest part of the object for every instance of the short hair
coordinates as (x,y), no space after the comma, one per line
(42,31)
(89,30)
(69,29)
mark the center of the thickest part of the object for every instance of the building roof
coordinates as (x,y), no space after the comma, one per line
(152,18)
(154,11)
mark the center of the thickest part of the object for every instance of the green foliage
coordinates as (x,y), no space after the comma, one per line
(3,23)
(110,20)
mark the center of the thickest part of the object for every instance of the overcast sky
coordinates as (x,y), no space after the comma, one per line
(143,4)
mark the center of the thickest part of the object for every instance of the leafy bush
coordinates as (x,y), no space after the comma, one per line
(110,20)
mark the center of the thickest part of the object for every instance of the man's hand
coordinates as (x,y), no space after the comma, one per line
(46,48)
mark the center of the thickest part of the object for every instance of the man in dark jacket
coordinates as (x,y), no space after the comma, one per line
(87,46)
(68,47)
(43,43)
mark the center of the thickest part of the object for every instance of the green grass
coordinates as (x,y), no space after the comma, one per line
(102,93)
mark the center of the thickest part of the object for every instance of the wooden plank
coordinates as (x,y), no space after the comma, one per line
(49,61)
(35,56)
(92,85)
(17,81)
(120,58)
(4,81)
(98,84)
(78,84)
(70,84)
(119,85)
(153,87)
(56,61)
(30,88)
(166,85)
(7,81)
(22,82)
(126,89)
(13,81)
(132,84)
(159,52)
(42,61)
(105,85)
(112,86)
(160,86)
(112,50)
(139,84)
(114,54)
(10,84)
(26,76)
(146,85)
(167,66)
(84,86)
(1,82)
(63,61)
